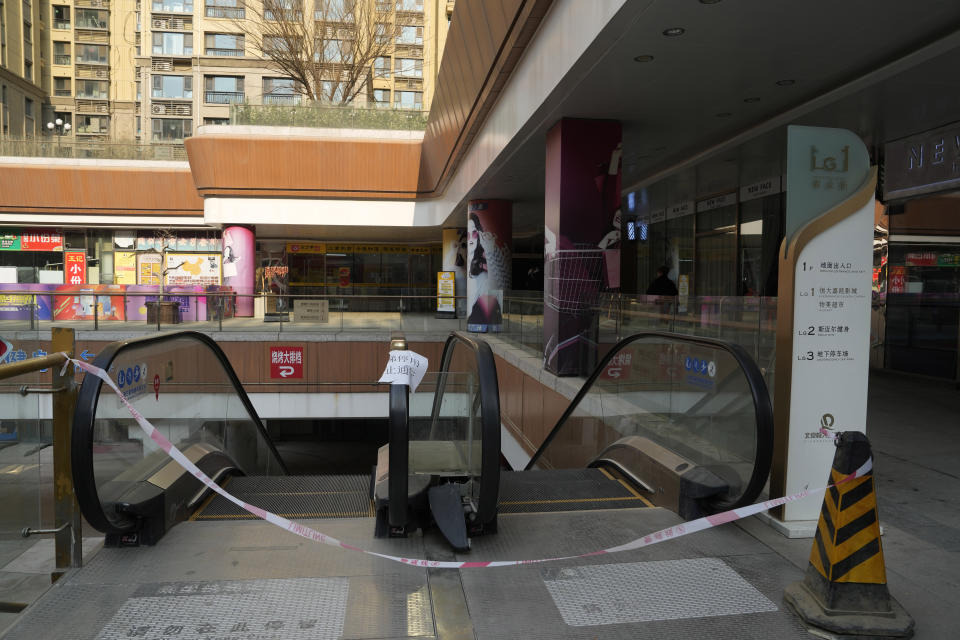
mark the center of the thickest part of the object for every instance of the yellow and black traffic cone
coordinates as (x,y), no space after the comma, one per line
(845,591)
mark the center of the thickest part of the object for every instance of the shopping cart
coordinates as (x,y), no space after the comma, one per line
(573,279)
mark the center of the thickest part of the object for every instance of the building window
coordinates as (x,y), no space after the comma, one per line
(61,16)
(93,124)
(334,51)
(169,129)
(280,91)
(232,9)
(408,100)
(283,10)
(173,6)
(175,87)
(30,125)
(223,89)
(332,91)
(410,35)
(172,44)
(381,67)
(61,87)
(91,53)
(92,19)
(281,44)
(410,5)
(408,67)
(216,121)
(334,10)
(28,70)
(61,53)
(381,98)
(92,89)
(223,44)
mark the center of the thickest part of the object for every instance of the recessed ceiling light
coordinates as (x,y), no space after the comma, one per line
(786,83)
(673,32)
(643,58)
(724,114)
(754,99)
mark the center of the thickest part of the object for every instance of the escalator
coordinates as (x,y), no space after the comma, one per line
(685,423)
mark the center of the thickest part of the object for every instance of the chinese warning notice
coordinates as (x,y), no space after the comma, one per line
(286,362)
(75,267)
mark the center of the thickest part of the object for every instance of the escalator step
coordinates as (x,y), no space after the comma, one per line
(330,496)
(565,490)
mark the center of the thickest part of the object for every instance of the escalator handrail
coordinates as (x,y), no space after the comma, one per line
(81,442)
(399,455)
(758,388)
(490,417)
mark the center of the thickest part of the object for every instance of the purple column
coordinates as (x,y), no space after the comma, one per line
(239,254)
(581,229)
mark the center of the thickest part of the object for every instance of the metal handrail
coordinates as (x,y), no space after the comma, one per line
(31,365)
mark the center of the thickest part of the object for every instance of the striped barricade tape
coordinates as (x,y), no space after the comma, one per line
(309,533)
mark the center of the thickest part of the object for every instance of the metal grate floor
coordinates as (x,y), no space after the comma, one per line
(332,496)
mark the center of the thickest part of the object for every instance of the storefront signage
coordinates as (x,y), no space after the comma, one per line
(825,346)
(726,200)
(760,189)
(446,292)
(925,163)
(898,280)
(286,362)
(340,247)
(311,311)
(41,240)
(9,241)
(75,267)
(680,209)
(658,215)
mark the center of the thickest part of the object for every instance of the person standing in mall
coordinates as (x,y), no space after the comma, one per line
(662,285)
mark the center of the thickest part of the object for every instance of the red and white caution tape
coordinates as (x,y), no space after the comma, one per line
(304,531)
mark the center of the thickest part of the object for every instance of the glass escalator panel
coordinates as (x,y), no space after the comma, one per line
(694,402)
(183,384)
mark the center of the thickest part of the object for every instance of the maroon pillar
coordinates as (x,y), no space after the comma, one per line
(581,224)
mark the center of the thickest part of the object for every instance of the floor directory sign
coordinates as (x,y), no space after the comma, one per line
(823,337)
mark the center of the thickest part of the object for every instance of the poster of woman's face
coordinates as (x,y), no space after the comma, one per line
(489,239)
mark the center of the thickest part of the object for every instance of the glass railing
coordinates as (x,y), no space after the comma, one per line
(68,147)
(697,407)
(26,457)
(326,116)
(183,384)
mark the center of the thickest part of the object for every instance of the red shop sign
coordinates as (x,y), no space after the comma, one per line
(75,267)
(286,362)
(41,240)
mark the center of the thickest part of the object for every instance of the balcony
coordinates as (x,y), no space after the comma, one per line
(229,13)
(282,100)
(92,23)
(61,59)
(171,23)
(224,53)
(92,37)
(62,93)
(223,97)
(171,108)
(92,4)
(93,72)
(92,130)
(61,24)
(93,106)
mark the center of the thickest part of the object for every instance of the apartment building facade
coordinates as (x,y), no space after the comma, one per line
(152,71)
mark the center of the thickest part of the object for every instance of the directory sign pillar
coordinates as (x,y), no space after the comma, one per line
(823,311)
(455,260)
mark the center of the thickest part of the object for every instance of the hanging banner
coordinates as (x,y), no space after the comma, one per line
(446,290)
(823,338)
(75,267)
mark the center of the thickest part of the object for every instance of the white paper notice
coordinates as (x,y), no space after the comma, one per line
(405,367)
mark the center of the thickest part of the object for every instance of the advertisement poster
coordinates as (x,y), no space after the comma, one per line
(75,267)
(239,254)
(489,249)
(148,268)
(192,269)
(9,240)
(455,259)
(125,267)
(106,300)
(446,290)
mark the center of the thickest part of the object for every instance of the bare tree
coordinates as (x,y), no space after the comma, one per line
(327,47)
